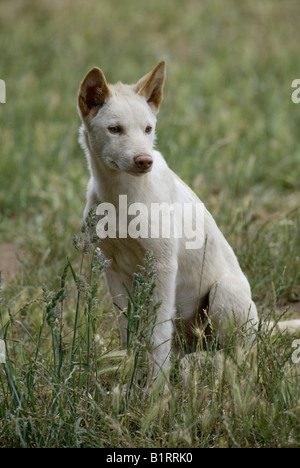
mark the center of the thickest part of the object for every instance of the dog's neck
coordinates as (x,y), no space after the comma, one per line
(109,184)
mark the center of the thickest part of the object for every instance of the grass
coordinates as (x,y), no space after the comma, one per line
(228,127)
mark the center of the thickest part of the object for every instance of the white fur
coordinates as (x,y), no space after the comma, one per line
(183,280)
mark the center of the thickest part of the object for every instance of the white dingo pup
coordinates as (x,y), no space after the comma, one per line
(118,136)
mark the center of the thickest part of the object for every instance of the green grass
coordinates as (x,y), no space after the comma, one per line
(228,127)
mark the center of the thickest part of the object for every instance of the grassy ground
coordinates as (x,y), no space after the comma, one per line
(228,127)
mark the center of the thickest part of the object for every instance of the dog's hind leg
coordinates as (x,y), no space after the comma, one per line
(231,306)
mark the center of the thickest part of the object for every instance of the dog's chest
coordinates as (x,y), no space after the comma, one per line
(126,254)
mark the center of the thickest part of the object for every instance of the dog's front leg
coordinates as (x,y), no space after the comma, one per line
(160,328)
(115,281)
(161,325)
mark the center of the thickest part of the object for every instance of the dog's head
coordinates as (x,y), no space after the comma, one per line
(120,119)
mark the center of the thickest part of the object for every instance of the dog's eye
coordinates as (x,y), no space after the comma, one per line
(114,129)
(148,129)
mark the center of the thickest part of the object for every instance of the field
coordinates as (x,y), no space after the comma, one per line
(229,128)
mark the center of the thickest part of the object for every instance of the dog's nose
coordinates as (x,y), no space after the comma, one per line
(143,162)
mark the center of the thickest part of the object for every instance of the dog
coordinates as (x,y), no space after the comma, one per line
(118,138)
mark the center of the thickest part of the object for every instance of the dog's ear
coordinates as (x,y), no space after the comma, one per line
(92,93)
(151,86)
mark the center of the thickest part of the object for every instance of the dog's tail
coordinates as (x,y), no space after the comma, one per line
(290,326)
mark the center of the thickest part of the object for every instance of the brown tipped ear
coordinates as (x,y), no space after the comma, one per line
(92,93)
(151,86)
